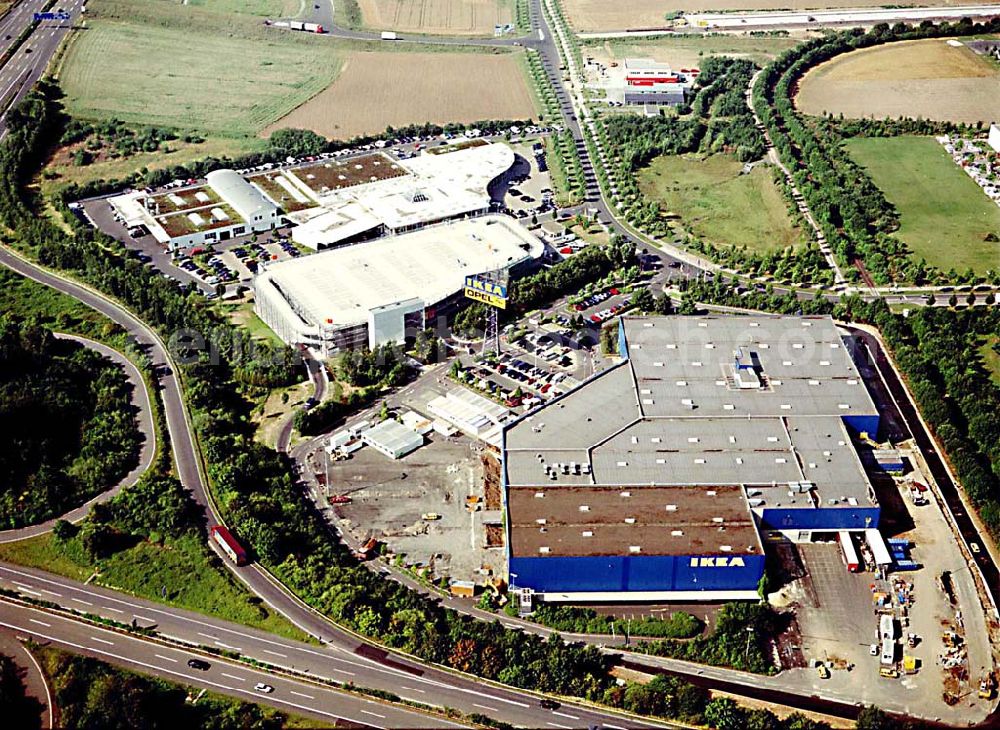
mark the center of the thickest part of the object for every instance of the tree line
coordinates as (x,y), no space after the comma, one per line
(854,215)
(67,425)
(718,121)
(251,483)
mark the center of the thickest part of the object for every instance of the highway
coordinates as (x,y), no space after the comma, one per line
(29,62)
(147,452)
(290,694)
(357,662)
(370,665)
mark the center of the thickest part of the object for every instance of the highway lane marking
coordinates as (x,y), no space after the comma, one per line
(80,600)
(556,724)
(25,589)
(227,646)
(207,636)
(187,677)
(301,694)
(116,610)
(275,653)
(565,714)
(373,714)
(42,623)
(613,727)
(233,676)
(166,658)
(143,618)
(414,689)
(485,707)
(103,641)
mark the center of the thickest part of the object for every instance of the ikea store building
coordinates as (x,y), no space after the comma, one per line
(661,478)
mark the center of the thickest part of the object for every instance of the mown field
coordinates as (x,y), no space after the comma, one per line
(190,79)
(718,204)
(683,52)
(928,78)
(470,17)
(602,15)
(377,89)
(263,8)
(944,215)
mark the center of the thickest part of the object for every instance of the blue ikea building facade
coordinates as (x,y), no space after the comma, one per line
(588,443)
(639,574)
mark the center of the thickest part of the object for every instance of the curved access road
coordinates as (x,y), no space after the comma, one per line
(147,452)
(462,691)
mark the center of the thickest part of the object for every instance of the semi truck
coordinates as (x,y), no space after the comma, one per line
(388,35)
(299,25)
(224,539)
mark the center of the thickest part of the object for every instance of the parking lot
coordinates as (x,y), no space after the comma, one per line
(837,615)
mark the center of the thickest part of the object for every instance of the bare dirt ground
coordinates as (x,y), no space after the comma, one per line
(932,79)
(378,89)
(436,16)
(601,15)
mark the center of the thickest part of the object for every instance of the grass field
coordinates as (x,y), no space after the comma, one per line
(928,78)
(187,78)
(990,351)
(263,8)
(468,17)
(378,89)
(718,204)
(61,170)
(178,573)
(688,51)
(602,15)
(944,215)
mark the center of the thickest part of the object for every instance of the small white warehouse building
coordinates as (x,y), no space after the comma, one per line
(994,138)
(392,439)
(224,207)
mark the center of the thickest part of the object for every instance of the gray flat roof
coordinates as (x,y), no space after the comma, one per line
(393,436)
(674,414)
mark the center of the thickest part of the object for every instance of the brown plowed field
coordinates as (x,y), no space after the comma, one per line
(471,17)
(933,79)
(376,90)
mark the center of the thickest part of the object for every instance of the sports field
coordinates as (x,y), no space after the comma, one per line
(688,51)
(718,204)
(606,15)
(933,79)
(944,215)
(470,17)
(188,78)
(378,89)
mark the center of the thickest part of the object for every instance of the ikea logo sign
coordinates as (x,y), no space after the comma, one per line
(486,287)
(718,562)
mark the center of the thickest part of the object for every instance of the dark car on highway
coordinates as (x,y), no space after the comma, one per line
(198,664)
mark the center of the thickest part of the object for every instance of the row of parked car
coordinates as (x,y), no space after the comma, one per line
(595,299)
(605,314)
(214,271)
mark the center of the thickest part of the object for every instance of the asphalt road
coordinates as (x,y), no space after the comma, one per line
(28,63)
(355,662)
(298,696)
(144,420)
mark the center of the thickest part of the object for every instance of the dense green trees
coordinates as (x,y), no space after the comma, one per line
(855,217)
(93,695)
(67,430)
(572,619)
(741,639)
(19,710)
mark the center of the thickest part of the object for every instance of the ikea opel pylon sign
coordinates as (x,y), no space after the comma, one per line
(487,292)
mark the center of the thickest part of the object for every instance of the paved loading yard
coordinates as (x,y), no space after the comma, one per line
(837,621)
(439,477)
